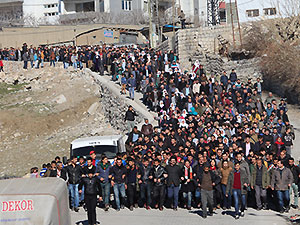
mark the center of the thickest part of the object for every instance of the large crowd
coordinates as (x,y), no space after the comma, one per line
(218,143)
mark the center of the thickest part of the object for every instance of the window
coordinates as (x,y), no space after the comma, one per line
(270,11)
(127,5)
(51,6)
(252,13)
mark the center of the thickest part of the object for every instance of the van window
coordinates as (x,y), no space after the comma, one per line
(109,150)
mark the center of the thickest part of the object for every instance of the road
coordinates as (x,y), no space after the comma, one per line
(170,217)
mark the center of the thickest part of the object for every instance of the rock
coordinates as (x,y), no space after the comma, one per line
(60,99)
(93,108)
(28,99)
(17,134)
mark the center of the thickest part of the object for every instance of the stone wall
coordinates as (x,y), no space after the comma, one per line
(113,104)
(200,43)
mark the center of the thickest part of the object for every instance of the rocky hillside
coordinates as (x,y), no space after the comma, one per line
(42,111)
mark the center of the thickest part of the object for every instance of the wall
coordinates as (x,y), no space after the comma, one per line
(15,37)
(190,41)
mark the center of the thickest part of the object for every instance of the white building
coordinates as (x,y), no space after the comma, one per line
(253,10)
(41,11)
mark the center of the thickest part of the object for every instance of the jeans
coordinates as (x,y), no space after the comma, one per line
(81,196)
(188,196)
(260,193)
(130,125)
(237,195)
(42,63)
(294,188)
(131,92)
(73,190)
(105,192)
(145,192)
(31,63)
(25,65)
(131,193)
(36,65)
(159,195)
(283,196)
(75,65)
(119,189)
(52,62)
(173,192)
(66,65)
(226,200)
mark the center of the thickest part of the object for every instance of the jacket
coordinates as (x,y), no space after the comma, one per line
(117,174)
(63,174)
(91,186)
(296,172)
(174,174)
(158,173)
(74,174)
(265,177)
(130,115)
(103,173)
(281,180)
(244,180)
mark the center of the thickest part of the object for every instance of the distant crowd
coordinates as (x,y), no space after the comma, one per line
(218,144)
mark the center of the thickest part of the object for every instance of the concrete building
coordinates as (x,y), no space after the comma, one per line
(116,6)
(40,10)
(256,9)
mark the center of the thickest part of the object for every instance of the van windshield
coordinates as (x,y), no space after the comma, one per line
(109,150)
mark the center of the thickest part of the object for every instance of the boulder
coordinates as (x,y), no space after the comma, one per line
(60,99)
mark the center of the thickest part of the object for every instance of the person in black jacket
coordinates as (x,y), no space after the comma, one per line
(145,184)
(117,176)
(173,181)
(92,188)
(294,187)
(74,173)
(130,118)
(132,176)
(59,172)
(188,177)
(158,175)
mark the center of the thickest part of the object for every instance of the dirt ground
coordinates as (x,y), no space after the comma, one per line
(39,120)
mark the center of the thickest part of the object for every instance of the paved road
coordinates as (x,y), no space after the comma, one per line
(181,217)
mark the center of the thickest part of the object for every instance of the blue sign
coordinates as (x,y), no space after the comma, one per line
(108,33)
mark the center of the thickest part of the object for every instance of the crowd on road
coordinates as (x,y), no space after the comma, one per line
(218,144)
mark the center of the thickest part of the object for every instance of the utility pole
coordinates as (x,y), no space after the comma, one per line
(158,21)
(173,39)
(239,26)
(150,23)
(232,25)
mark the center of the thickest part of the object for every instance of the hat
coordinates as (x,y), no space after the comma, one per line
(92,152)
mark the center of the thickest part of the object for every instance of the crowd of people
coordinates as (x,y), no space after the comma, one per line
(218,144)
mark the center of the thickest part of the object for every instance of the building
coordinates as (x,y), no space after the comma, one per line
(41,11)
(10,10)
(108,6)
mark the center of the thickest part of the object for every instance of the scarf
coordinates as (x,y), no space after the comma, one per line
(188,173)
(104,167)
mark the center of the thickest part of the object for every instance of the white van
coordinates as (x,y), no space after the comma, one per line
(108,145)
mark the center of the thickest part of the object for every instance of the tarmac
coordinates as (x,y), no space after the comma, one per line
(182,217)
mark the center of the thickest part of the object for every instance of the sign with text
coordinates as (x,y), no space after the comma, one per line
(108,33)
